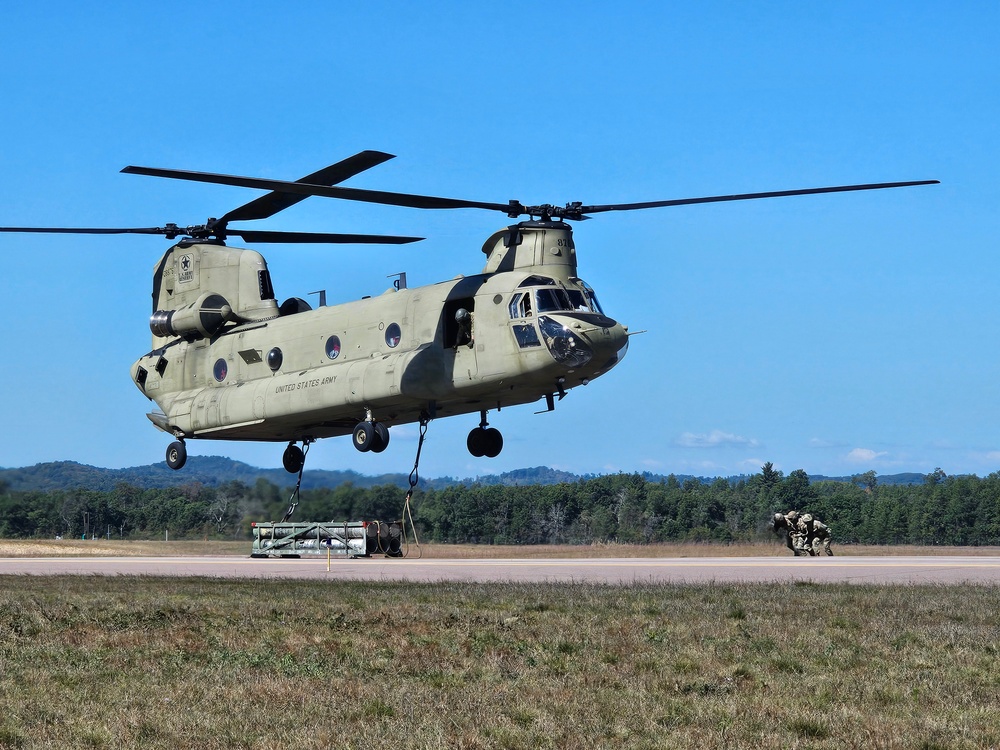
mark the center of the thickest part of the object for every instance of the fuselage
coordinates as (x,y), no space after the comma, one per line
(518,332)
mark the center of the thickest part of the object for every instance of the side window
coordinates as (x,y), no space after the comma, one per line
(515,306)
(220,370)
(333,347)
(520,306)
(393,334)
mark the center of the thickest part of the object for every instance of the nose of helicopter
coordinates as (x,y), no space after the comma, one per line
(593,344)
(610,344)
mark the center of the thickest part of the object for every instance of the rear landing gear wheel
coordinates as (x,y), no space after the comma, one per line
(176,455)
(364,436)
(381,439)
(293,458)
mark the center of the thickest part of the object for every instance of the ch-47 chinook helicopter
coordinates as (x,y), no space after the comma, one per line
(229,363)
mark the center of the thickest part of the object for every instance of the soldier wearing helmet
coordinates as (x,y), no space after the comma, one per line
(816,533)
(795,540)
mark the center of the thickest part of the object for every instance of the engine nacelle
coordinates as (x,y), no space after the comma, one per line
(202,318)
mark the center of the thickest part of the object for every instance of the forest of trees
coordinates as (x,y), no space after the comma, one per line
(626,508)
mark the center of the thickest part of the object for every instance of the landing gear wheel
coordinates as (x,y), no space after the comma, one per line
(476,442)
(485,442)
(381,439)
(293,458)
(493,442)
(176,455)
(364,436)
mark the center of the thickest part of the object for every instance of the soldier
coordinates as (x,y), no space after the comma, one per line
(816,533)
(780,525)
(798,538)
(795,540)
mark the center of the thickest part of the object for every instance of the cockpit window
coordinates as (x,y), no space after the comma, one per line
(520,306)
(553,300)
(578,299)
(592,297)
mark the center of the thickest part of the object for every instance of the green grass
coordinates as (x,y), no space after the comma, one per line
(197,663)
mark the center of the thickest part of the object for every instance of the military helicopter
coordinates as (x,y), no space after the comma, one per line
(228,362)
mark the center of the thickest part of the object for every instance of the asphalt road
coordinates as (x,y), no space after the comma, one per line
(887,570)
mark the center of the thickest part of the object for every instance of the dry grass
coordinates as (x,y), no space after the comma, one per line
(105,548)
(109,548)
(153,663)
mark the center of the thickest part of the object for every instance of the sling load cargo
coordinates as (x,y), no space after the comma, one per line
(346,538)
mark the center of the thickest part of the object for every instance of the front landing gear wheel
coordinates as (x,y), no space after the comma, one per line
(176,455)
(293,458)
(485,442)
(364,436)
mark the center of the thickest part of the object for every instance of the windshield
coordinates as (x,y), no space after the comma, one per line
(579,300)
(553,300)
(566,300)
(592,297)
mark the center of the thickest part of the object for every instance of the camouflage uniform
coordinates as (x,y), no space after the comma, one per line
(795,540)
(818,534)
(797,537)
(779,525)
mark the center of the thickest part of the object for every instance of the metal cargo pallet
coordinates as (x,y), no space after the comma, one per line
(346,538)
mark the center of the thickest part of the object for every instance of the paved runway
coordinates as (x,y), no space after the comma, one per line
(890,570)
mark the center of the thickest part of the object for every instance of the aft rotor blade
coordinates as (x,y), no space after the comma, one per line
(270,204)
(254,236)
(749,196)
(323,191)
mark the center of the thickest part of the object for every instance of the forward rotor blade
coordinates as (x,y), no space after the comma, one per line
(299,188)
(270,204)
(749,196)
(513,208)
(254,236)
(85,230)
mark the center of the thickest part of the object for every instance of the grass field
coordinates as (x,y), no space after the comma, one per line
(198,663)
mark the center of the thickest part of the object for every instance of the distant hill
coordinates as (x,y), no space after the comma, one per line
(909,477)
(207,470)
(215,470)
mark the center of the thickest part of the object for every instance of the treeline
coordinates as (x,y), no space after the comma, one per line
(963,510)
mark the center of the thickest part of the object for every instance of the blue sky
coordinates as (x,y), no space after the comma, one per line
(835,333)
